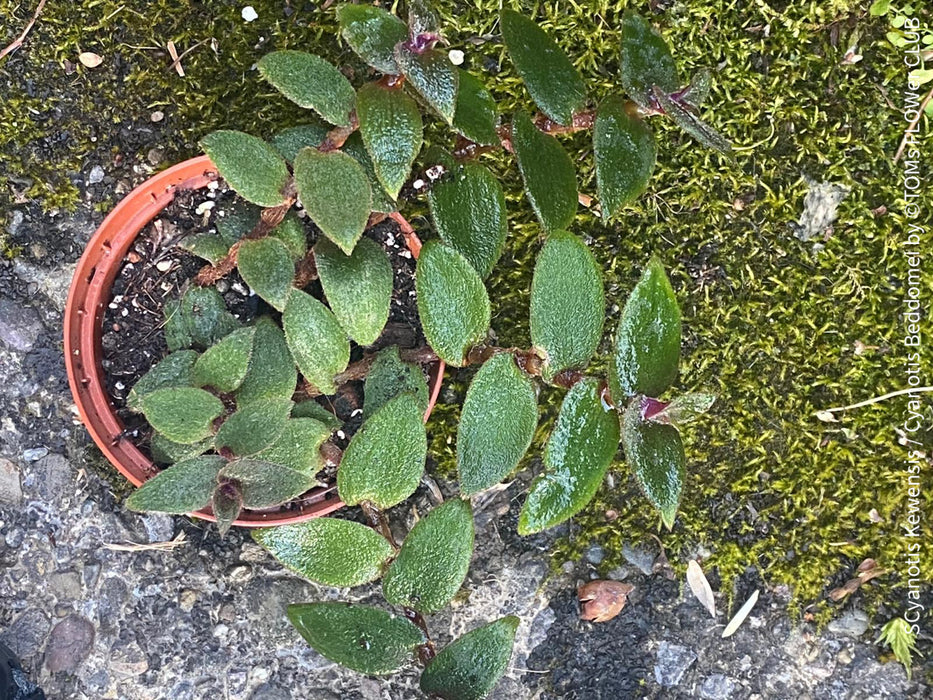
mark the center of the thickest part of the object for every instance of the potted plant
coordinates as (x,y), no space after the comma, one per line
(226,413)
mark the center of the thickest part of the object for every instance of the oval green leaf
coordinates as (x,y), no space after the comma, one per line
(235,220)
(576,458)
(468,208)
(384,461)
(390,124)
(316,339)
(688,120)
(164,451)
(203,314)
(267,267)
(497,424)
(656,455)
(434,559)
(647,344)
(312,409)
(210,246)
(174,370)
(310,82)
(475,116)
(355,147)
(328,551)
(254,427)
(358,287)
(646,61)
(298,446)
(553,82)
(335,192)
(567,304)
(182,488)
(452,302)
(290,141)
(433,76)
(548,173)
(625,154)
(264,485)
(292,233)
(249,165)
(470,667)
(182,414)
(389,377)
(224,365)
(362,638)
(372,33)
(271,372)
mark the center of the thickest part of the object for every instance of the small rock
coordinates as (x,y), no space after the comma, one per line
(19,326)
(53,476)
(186,599)
(239,573)
(595,554)
(65,585)
(157,116)
(159,527)
(11,489)
(128,660)
(639,557)
(717,687)
(844,657)
(17,218)
(26,634)
(853,623)
(673,662)
(34,454)
(456,57)
(69,644)
(270,692)
(155,156)
(96,175)
(249,14)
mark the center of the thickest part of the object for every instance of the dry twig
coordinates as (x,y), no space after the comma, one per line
(22,37)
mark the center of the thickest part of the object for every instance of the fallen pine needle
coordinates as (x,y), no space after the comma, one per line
(868,402)
(154,546)
(740,616)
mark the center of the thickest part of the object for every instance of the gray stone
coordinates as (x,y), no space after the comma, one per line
(53,478)
(595,554)
(673,662)
(267,691)
(65,585)
(128,660)
(639,557)
(852,623)
(718,687)
(19,326)
(27,633)
(11,490)
(159,527)
(69,644)
(16,221)
(96,175)
(34,454)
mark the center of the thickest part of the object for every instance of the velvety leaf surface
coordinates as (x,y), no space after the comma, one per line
(568,306)
(292,233)
(372,33)
(548,173)
(647,343)
(358,287)
(656,455)
(182,488)
(470,667)
(698,90)
(452,302)
(576,458)
(298,446)
(176,369)
(210,246)
(475,116)
(267,267)
(555,85)
(328,551)
(236,220)
(389,377)
(422,19)
(432,564)
(384,461)
(249,165)
(684,408)
(646,61)
(290,141)
(497,423)
(316,339)
(164,451)
(310,82)
(224,365)
(182,414)
(336,194)
(468,208)
(390,124)
(625,154)
(264,484)
(254,427)
(312,409)
(692,124)
(175,328)
(226,504)
(354,147)
(362,638)
(205,316)
(433,76)
(271,372)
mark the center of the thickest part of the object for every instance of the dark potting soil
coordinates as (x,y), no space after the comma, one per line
(157,270)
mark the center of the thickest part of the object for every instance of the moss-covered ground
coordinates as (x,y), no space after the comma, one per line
(777,328)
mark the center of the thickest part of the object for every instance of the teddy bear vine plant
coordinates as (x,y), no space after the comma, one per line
(232,407)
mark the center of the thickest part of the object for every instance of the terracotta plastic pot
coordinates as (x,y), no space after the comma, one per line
(87,300)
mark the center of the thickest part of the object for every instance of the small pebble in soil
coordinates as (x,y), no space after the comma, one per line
(249,14)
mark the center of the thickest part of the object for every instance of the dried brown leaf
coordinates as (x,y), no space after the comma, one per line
(700,586)
(603,600)
(90,59)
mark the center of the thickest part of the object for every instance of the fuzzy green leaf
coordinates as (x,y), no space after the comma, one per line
(362,638)
(384,461)
(468,208)
(433,561)
(268,268)
(567,304)
(298,446)
(182,414)
(310,82)
(692,124)
(292,233)
(452,302)
(684,409)
(656,455)
(433,76)
(354,147)
(646,61)
(224,365)
(647,343)
(182,488)
(336,194)
(389,377)
(164,451)
(358,287)
(226,504)
(390,124)
(249,165)
(205,316)
(210,246)
(625,154)
(470,667)
(264,484)
(271,372)
(555,85)
(475,116)
(316,339)
(372,33)
(422,19)
(698,90)
(548,174)
(576,458)
(235,220)
(312,409)
(328,551)
(176,331)
(497,423)
(289,142)
(254,427)
(174,370)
